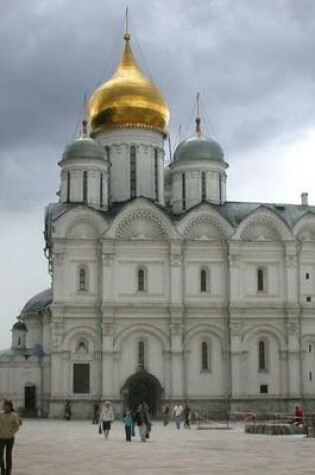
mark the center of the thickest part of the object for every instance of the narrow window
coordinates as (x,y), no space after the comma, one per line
(220,188)
(203,280)
(101,190)
(141,354)
(262,355)
(264,389)
(184,190)
(204,356)
(141,280)
(85,186)
(133,172)
(68,187)
(19,341)
(203,186)
(82,280)
(310,376)
(260,280)
(108,156)
(307,276)
(156,174)
(308,299)
(310,348)
(81,378)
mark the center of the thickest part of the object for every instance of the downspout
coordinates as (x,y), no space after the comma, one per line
(228,335)
(99,308)
(299,248)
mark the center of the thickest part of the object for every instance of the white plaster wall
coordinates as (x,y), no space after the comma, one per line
(205,384)
(273,377)
(193,172)
(120,142)
(154,358)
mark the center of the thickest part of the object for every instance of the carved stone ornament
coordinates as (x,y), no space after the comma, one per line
(236,328)
(108,259)
(293,328)
(176,260)
(107,329)
(141,224)
(176,329)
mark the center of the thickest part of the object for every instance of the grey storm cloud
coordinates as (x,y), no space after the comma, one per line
(252,61)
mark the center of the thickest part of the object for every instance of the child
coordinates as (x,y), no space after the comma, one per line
(127,420)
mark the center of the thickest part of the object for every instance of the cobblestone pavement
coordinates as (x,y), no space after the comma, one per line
(58,447)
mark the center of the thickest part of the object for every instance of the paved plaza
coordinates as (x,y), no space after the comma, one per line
(51,447)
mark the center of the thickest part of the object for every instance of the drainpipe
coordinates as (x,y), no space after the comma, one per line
(228,334)
(299,249)
(99,307)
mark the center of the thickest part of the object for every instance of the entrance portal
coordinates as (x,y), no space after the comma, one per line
(143,387)
(30,397)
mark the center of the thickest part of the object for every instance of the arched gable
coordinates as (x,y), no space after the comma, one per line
(84,332)
(143,329)
(263,225)
(205,224)
(79,223)
(204,330)
(141,220)
(264,330)
(304,229)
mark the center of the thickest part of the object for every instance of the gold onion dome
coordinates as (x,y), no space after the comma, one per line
(128,99)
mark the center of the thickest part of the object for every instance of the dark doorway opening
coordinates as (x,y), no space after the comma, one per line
(143,387)
(30,397)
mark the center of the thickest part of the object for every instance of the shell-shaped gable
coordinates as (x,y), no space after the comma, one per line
(263,225)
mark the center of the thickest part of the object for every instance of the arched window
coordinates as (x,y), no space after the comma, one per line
(82,279)
(133,172)
(156,174)
(203,186)
(263,355)
(204,284)
(261,279)
(141,354)
(141,279)
(68,186)
(183,191)
(85,187)
(205,356)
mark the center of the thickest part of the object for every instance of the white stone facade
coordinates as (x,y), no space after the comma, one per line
(165,294)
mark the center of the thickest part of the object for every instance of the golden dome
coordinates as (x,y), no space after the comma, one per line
(128,99)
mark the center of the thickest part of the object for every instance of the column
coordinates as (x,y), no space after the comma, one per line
(107,357)
(236,355)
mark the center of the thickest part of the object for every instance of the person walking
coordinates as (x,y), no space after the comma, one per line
(107,417)
(166,415)
(141,422)
(178,412)
(68,410)
(9,425)
(148,423)
(187,413)
(128,422)
(96,409)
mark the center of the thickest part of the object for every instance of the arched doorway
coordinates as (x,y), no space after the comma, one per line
(143,387)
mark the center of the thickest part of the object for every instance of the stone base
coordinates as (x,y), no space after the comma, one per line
(274,429)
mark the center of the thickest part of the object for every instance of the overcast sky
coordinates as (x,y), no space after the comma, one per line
(251,60)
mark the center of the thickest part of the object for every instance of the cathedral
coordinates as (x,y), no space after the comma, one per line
(162,291)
